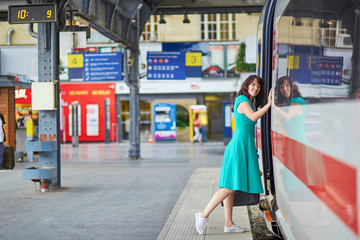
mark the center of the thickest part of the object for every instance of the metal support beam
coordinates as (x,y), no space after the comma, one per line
(48,146)
(119,134)
(48,50)
(134,151)
(132,80)
(131,58)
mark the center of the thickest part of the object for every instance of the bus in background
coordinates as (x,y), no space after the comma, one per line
(309,144)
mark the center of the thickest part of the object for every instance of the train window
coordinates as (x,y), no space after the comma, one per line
(315,49)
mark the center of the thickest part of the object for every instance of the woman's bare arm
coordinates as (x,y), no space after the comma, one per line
(294,110)
(245,108)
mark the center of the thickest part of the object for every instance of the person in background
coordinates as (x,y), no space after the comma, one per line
(240,167)
(29,124)
(197,127)
(2,138)
(21,121)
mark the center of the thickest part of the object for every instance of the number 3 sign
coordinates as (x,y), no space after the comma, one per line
(193,59)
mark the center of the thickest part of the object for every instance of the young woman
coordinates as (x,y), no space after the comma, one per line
(240,167)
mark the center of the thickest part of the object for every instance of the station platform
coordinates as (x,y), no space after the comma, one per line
(104,195)
(196,194)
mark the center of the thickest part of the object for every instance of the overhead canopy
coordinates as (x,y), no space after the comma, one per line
(209,6)
(123,20)
(11,81)
(117,19)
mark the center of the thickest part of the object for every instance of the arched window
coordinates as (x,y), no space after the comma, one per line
(182,117)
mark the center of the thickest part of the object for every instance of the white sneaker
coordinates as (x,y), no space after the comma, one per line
(200,223)
(233,228)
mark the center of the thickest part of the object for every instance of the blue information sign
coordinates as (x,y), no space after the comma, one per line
(102,66)
(326,70)
(166,65)
(165,121)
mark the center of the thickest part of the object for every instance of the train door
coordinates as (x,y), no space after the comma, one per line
(265,66)
(313,62)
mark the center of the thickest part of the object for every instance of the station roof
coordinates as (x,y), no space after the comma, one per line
(209,6)
(120,20)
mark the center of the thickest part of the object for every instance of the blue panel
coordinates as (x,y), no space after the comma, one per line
(186,47)
(102,66)
(303,75)
(227,117)
(165,121)
(193,71)
(76,73)
(166,65)
(37,173)
(36,146)
(326,70)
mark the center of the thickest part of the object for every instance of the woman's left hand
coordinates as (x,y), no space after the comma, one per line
(270,97)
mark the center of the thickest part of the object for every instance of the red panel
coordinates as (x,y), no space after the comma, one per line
(22,96)
(258,137)
(330,179)
(88,93)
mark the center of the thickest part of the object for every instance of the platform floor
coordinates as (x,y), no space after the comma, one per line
(104,195)
(196,194)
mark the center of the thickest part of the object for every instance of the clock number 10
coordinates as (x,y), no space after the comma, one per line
(22,14)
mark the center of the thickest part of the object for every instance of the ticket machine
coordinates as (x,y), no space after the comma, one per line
(165,121)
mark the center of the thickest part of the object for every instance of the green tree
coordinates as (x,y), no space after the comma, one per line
(241,65)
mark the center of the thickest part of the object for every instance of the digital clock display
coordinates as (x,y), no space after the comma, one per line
(33,13)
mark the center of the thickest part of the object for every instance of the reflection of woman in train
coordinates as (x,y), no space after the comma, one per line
(303,161)
(299,157)
(240,167)
(287,94)
(197,127)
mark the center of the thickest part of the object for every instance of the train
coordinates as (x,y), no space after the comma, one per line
(309,143)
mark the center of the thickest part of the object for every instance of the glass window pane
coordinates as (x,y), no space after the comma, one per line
(231,54)
(214,65)
(318,57)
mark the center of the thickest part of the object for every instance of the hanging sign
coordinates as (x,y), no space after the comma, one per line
(32,13)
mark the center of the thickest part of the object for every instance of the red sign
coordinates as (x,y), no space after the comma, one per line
(91,101)
(22,96)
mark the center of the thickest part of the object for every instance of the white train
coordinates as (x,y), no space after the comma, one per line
(309,144)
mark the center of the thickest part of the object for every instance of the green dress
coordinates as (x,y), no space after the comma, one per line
(240,167)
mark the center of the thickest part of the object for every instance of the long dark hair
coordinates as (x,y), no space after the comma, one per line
(259,99)
(281,100)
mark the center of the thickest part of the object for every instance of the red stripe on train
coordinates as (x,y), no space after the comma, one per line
(331,180)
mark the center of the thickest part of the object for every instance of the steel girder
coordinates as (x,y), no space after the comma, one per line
(116,19)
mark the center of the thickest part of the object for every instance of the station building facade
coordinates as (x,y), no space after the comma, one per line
(215,36)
